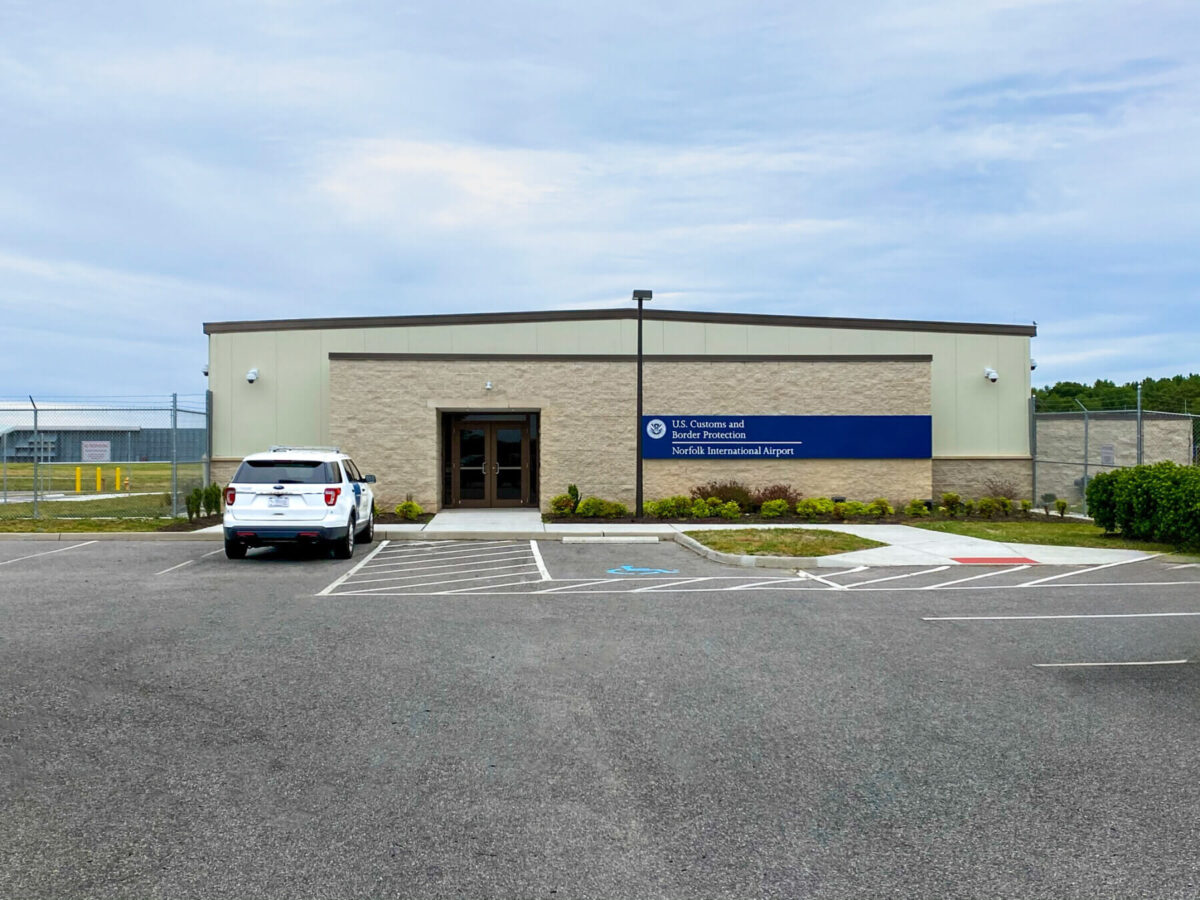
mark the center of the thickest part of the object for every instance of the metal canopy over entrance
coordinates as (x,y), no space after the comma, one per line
(489,459)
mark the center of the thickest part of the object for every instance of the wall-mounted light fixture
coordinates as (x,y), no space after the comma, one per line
(487,385)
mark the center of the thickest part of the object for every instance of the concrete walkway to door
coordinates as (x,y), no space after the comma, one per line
(485,520)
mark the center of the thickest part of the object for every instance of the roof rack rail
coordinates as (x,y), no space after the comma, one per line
(276,448)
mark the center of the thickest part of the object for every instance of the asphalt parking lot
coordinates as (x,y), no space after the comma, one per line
(590,720)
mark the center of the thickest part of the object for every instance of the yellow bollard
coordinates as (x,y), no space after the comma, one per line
(117,479)
(79,479)
(99,481)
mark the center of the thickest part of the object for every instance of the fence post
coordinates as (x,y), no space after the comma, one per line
(174,456)
(36,455)
(1139,424)
(1085,454)
(1033,445)
(208,436)
(5,463)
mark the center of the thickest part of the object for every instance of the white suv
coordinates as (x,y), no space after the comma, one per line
(299,495)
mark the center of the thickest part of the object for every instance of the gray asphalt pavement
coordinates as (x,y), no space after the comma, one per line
(178,725)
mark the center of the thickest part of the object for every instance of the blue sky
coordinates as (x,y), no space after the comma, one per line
(166,164)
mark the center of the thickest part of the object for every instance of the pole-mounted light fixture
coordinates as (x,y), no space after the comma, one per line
(641,297)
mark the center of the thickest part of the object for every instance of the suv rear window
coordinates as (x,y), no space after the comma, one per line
(287,471)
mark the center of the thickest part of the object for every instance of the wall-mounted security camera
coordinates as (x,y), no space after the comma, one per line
(204,370)
(1032,364)
(252,376)
(991,375)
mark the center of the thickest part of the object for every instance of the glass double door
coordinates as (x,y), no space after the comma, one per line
(490,463)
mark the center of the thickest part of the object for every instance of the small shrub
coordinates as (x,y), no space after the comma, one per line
(952,503)
(987,507)
(723,492)
(855,509)
(678,507)
(1101,500)
(1048,501)
(573,493)
(879,507)
(784,492)
(562,505)
(916,509)
(615,510)
(968,508)
(773,509)
(1061,506)
(210,499)
(942,511)
(729,510)
(1000,487)
(1026,508)
(839,511)
(1004,504)
(192,503)
(700,510)
(409,509)
(591,507)
(815,507)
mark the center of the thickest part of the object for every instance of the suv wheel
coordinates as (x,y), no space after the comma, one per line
(235,549)
(368,533)
(343,548)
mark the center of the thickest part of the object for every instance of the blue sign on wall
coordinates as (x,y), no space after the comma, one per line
(787,437)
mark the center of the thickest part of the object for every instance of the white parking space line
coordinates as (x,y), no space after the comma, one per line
(378,569)
(433,583)
(1153,615)
(406,559)
(1089,665)
(457,570)
(825,581)
(944,584)
(541,564)
(845,572)
(859,584)
(659,587)
(476,589)
(370,556)
(567,587)
(1120,562)
(9,562)
(754,584)
(213,552)
(173,568)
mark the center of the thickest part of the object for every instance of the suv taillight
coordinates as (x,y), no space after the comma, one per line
(331,495)
(230,496)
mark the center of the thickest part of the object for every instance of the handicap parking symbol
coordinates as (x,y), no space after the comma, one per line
(638,570)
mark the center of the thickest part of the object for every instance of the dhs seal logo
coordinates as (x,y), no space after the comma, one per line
(656,428)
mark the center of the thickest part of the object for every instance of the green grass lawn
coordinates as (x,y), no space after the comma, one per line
(54,526)
(1047,531)
(60,477)
(781,541)
(134,505)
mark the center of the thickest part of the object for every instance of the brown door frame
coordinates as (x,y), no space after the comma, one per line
(490,462)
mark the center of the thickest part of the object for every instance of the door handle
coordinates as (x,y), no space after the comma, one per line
(495,468)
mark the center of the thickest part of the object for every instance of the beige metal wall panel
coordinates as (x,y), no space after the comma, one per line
(299,388)
(387,340)
(558,337)
(726,339)
(254,405)
(683,337)
(499,338)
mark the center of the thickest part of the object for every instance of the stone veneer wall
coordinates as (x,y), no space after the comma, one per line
(969,478)
(385,413)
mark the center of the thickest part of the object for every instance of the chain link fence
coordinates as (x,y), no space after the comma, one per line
(1069,448)
(129,457)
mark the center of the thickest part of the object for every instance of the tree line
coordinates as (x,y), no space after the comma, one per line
(1179,393)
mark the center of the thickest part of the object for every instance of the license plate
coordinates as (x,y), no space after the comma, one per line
(274,500)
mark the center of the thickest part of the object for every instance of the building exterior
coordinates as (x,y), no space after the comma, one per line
(509,408)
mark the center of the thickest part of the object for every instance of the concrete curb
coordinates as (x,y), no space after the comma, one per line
(749,562)
(112,536)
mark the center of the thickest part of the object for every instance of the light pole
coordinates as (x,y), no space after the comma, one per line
(641,297)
